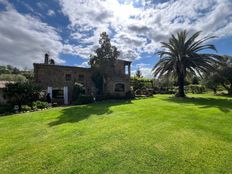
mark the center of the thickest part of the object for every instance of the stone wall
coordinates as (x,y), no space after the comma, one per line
(57,76)
(119,76)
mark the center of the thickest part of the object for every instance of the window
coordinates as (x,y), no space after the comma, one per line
(126,69)
(119,87)
(68,77)
(81,77)
(57,93)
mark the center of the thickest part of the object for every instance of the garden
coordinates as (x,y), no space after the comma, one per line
(160,134)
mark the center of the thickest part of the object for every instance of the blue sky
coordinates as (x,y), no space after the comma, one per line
(69,29)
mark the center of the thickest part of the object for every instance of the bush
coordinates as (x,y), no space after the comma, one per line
(196,89)
(6,109)
(130,95)
(22,93)
(78,89)
(84,99)
(25,108)
(101,97)
(40,105)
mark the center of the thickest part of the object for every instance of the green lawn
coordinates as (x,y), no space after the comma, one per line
(155,135)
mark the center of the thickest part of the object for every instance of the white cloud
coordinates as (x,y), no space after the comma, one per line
(84,65)
(141,29)
(134,30)
(145,69)
(51,13)
(24,39)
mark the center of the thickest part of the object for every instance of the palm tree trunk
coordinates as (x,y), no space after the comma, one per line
(181,86)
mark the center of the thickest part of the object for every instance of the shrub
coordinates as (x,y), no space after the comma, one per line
(40,105)
(101,97)
(25,108)
(84,99)
(6,109)
(78,89)
(130,95)
(196,89)
(22,93)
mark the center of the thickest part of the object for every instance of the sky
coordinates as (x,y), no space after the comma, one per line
(69,29)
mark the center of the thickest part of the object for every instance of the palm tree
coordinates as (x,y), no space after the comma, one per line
(181,56)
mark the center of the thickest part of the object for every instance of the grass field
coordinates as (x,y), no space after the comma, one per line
(155,135)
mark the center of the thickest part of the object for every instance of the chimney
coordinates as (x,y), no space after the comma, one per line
(46,58)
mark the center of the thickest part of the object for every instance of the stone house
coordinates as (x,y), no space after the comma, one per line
(58,80)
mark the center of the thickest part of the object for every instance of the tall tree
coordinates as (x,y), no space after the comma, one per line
(225,73)
(182,55)
(102,62)
(138,73)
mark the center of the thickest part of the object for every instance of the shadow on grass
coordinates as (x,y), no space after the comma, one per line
(225,105)
(78,113)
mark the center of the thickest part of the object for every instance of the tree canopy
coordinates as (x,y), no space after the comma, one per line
(102,62)
(182,55)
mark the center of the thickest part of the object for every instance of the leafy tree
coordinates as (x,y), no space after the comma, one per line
(221,77)
(195,80)
(212,81)
(13,77)
(10,73)
(138,73)
(22,93)
(137,83)
(102,62)
(78,89)
(181,56)
(225,73)
(4,70)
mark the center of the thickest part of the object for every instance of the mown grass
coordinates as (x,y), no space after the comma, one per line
(155,135)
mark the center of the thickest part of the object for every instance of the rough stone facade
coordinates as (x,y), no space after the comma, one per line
(56,77)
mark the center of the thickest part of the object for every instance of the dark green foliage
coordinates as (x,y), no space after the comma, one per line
(40,105)
(181,56)
(195,80)
(164,85)
(4,70)
(196,89)
(212,81)
(8,69)
(225,73)
(5,109)
(130,95)
(141,83)
(105,54)
(10,73)
(13,77)
(78,89)
(25,108)
(97,78)
(221,77)
(138,73)
(102,62)
(142,86)
(22,93)
(84,99)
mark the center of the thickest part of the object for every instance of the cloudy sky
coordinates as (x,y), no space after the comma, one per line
(69,29)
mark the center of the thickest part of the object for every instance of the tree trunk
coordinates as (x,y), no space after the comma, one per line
(230,90)
(214,91)
(181,86)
